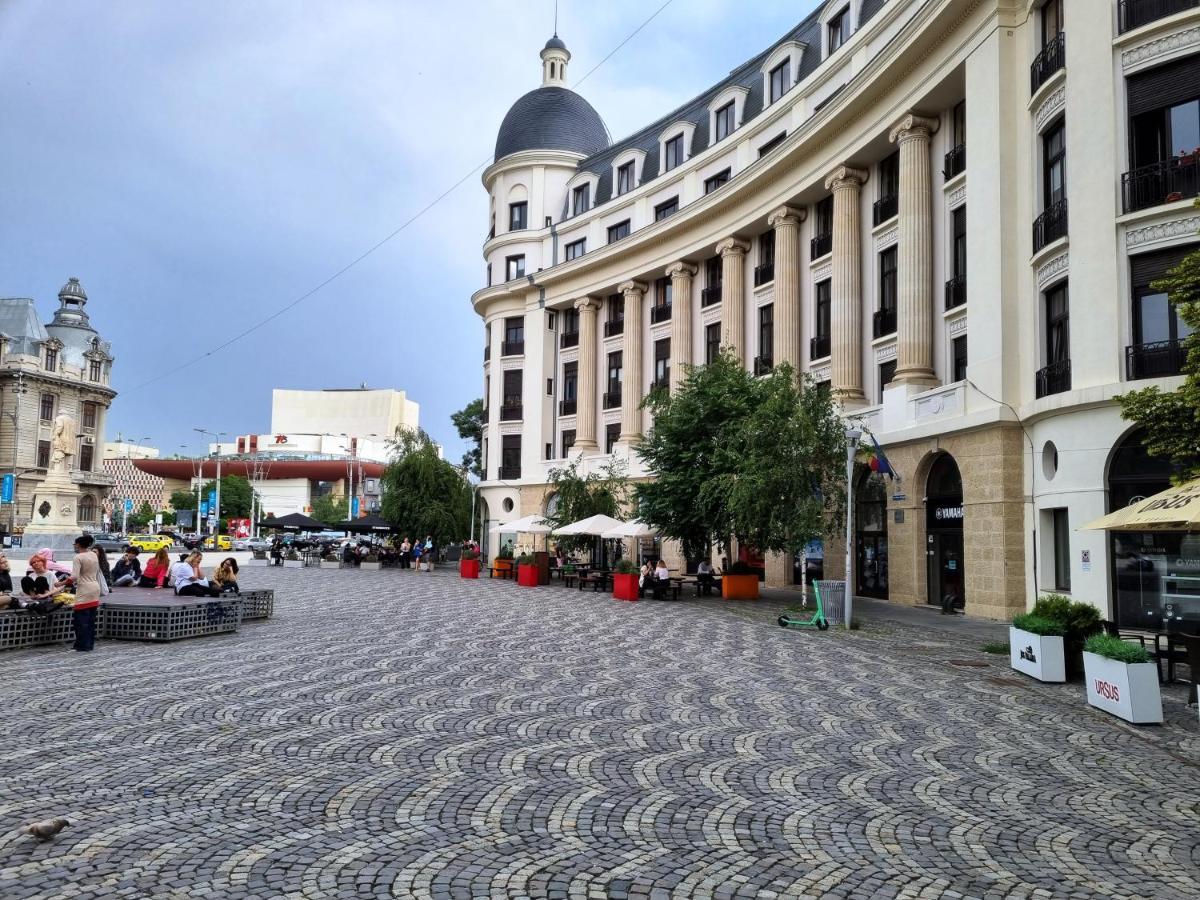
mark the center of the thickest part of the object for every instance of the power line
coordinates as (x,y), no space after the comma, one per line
(370,250)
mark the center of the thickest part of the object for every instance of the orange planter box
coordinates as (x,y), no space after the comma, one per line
(468,568)
(527,575)
(502,565)
(739,587)
(625,587)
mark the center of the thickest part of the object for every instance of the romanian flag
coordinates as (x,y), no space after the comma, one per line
(874,457)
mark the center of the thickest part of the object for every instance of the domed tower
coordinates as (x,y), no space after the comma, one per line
(71,326)
(541,141)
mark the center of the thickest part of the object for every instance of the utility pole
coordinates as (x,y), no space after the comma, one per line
(216,435)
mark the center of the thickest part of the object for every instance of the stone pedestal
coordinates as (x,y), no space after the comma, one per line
(55,520)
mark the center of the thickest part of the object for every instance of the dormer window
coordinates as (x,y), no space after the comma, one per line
(625,178)
(581,199)
(673,152)
(94,370)
(725,120)
(51,359)
(780,80)
(838,29)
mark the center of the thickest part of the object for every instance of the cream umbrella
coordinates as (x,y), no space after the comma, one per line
(534,524)
(635,529)
(597,526)
(1175,509)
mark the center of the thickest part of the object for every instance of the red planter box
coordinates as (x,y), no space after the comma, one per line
(739,587)
(468,568)
(527,575)
(625,587)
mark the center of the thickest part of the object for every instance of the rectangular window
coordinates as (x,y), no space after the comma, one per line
(94,370)
(766,335)
(615,372)
(887,281)
(673,153)
(662,292)
(616,308)
(889,176)
(662,362)
(725,122)
(489,274)
(513,387)
(514,267)
(780,80)
(549,451)
(549,387)
(712,342)
(43,455)
(824,216)
(765,270)
(568,441)
(47,408)
(570,321)
(518,216)
(959,230)
(771,144)
(581,199)
(958,352)
(713,271)
(1052,20)
(958,130)
(514,330)
(1058,318)
(839,29)
(887,371)
(1054,165)
(618,231)
(510,456)
(570,381)
(51,359)
(575,249)
(89,415)
(612,433)
(625,178)
(1062,549)
(87,453)
(666,208)
(716,181)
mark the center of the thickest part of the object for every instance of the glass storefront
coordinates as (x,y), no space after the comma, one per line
(945,564)
(871,563)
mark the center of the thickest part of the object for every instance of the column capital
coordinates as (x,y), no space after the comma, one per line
(912,126)
(631,287)
(845,177)
(732,246)
(786,215)
(587,303)
(680,268)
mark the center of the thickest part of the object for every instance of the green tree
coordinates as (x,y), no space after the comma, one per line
(143,517)
(183,500)
(579,496)
(329,508)
(759,459)
(235,496)
(1172,418)
(469,423)
(422,493)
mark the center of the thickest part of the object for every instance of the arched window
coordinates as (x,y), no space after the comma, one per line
(87,508)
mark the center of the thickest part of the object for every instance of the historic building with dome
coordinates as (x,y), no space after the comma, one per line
(948,213)
(62,366)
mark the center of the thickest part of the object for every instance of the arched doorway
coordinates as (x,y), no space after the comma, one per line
(944,534)
(1155,574)
(870,520)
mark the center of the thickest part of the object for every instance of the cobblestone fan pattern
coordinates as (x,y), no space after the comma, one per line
(396,734)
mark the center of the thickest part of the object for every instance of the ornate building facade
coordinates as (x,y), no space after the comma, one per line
(820,207)
(60,367)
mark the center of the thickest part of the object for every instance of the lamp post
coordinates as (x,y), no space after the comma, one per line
(852,436)
(18,389)
(216,435)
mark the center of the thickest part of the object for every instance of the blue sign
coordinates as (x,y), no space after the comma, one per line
(6,489)
(203,508)
(128,504)
(354,508)
(212,500)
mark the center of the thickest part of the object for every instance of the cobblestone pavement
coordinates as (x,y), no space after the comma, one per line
(394,734)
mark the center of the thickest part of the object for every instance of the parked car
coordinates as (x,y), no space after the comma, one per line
(222,542)
(191,540)
(150,543)
(252,544)
(111,543)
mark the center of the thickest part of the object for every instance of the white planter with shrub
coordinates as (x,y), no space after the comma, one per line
(331,564)
(369,565)
(1039,656)
(1122,680)
(293,564)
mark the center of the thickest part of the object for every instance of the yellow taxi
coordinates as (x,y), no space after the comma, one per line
(151,543)
(223,543)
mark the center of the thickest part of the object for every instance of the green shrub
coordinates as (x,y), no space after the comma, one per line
(469,554)
(504,553)
(1079,620)
(1116,649)
(740,568)
(1036,624)
(525,559)
(625,567)
(999,648)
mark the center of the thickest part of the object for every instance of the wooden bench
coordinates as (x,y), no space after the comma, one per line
(569,578)
(501,572)
(596,581)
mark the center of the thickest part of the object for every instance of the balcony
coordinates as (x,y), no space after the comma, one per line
(820,245)
(1156,360)
(710,295)
(818,347)
(510,472)
(885,208)
(1177,178)
(612,399)
(1050,225)
(614,327)
(662,382)
(1052,58)
(1054,379)
(764,273)
(955,162)
(763,365)
(512,348)
(883,322)
(510,412)
(566,407)
(660,312)
(487,353)
(568,339)
(956,291)
(1136,13)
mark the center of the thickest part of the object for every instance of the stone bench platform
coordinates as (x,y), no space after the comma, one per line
(169,618)
(20,628)
(257,604)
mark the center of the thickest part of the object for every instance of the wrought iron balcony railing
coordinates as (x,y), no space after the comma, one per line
(1052,58)
(1050,225)
(818,347)
(956,291)
(1136,13)
(660,312)
(764,273)
(883,322)
(510,412)
(1177,178)
(568,339)
(955,162)
(510,472)
(612,399)
(710,295)
(885,208)
(566,407)
(763,365)
(614,327)
(1155,360)
(512,348)
(1053,379)
(820,245)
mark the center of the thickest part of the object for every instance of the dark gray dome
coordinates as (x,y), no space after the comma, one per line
(551,118)
(555,43)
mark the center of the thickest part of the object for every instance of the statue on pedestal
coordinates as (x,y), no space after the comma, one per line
(62,443)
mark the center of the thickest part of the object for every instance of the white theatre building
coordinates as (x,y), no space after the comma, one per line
(947,212)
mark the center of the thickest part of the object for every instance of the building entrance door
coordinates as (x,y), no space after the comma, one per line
(945,562)
(945,565)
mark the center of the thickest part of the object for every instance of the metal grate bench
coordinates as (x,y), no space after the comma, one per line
(257,604)
(19,628)
(170,619)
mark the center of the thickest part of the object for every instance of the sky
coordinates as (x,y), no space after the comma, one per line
(201,164)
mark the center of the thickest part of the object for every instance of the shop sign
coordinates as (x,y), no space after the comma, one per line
(944,514)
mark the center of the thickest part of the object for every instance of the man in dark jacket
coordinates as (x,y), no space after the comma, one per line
(128,569)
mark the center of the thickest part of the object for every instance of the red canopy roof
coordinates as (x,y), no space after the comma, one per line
(312,469)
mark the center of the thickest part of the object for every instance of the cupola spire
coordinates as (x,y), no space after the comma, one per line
(555,57)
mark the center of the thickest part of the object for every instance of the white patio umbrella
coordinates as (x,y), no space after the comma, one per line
(596,526)
(635,529)
(534,524)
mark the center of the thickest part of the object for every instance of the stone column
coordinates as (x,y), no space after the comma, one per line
(914,311)
(681,275)
(786,222)
(585,406)
(846,300)
(631,387)
(733,294)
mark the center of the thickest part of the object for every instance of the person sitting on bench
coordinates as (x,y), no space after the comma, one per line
(704,578)
(662,579)
(189,580)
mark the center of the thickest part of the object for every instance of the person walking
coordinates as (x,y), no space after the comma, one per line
(85,575)
(405,550)
(428,554)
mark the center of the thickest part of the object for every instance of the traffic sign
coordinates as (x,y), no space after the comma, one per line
(354,507)
(6,488)
(128,504)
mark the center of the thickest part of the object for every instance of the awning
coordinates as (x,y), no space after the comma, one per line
(534,524)
(635,529)
(597,525)
(294,522)
(1175,509)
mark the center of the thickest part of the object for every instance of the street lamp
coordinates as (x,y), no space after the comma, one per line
(216,435)
(852,436)
(18,389)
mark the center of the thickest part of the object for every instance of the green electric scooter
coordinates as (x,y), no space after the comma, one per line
(817,621)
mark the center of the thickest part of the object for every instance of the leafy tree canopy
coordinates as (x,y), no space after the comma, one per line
(761,459)
(329,508)
(422,493)
(1172,419)
(142,517)
(468,421)
(580,496)
(183,500)
(235,496)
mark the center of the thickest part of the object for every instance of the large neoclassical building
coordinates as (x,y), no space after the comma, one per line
(947,212)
